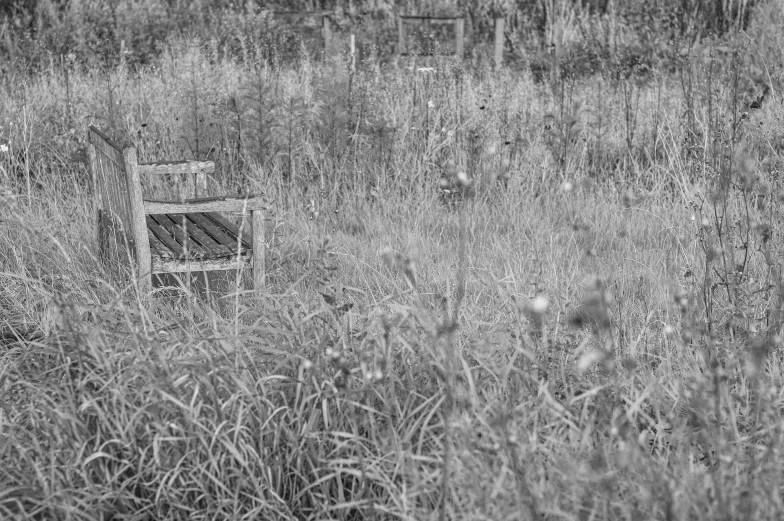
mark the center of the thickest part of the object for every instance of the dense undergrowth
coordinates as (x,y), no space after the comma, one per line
(492,294)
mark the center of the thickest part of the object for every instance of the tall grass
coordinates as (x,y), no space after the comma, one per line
(490,297)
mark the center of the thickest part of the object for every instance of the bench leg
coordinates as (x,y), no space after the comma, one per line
(145,283)
(101,237)
(258,249)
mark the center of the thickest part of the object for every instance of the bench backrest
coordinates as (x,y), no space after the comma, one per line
(110,179)
(118,194)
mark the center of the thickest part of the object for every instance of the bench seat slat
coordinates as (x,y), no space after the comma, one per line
(213,248)
(208,236)
(173,223)
(247,239)
(157,248)
(175,250)
(224,237)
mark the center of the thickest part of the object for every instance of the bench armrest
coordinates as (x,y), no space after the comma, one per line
(236,203)
(177,167)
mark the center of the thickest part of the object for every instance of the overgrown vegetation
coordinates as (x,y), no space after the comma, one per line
(543,292)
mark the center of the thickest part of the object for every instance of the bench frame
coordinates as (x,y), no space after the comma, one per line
(122,212)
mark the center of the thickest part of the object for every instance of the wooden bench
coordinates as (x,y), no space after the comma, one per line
(156,237)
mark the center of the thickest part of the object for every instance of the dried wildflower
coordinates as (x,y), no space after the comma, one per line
(539,305)
(463,179)
(629,198)
(588,360)
(755,361)
(592,311)
(680,299)
(344,364)
(629,364)
(409,270)
(431,104)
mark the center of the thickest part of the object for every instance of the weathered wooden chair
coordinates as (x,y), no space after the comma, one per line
(158,237)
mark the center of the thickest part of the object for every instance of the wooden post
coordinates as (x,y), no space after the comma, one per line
(201,185)
(138,223)
(190,188)
(401,41)
(97,190)
(326,32)
(257,218)
(352,52)
(499,43)
(459,35)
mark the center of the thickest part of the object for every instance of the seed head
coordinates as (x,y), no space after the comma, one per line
(540,304)
(589,360)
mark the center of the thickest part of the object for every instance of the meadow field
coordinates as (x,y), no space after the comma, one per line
(491,294)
